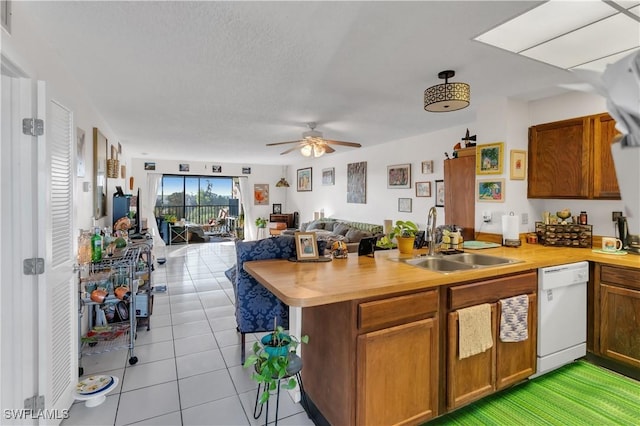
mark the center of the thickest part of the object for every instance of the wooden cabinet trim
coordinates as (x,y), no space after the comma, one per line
(620,276)
(377,314)
(492,290)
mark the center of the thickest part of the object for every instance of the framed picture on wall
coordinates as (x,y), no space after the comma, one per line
(518,165)
(440,193)
(277,208)
(399,176)
(404,205)
(261,194)
(490,190)
(357,183)
(489,158)
(304,179)
(329,176)
(423,189)
(427,167)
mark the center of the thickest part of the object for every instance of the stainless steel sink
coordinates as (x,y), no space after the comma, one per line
(458,262)
(481,259)
(439,264)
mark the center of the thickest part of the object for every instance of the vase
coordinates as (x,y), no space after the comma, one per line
(405,244)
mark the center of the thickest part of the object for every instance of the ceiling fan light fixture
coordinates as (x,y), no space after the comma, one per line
(318,150)
(448,96)
(306,150)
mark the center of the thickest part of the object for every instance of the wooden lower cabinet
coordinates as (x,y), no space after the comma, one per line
(397,374)
(505,363)
(619,318)
(373,361)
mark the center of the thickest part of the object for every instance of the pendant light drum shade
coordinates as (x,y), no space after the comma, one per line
(448,96)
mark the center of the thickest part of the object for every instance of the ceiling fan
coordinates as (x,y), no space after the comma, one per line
(313,144)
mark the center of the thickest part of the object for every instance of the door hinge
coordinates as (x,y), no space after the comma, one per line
(35,403)
(33,126)
(34,266)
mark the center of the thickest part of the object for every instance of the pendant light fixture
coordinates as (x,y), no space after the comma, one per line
(282,183)
(448,96)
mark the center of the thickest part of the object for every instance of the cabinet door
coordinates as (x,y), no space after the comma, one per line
(397,374)
(605,181)
(559,159)
(515,361)
(471,378)
(459,202)
(619,324)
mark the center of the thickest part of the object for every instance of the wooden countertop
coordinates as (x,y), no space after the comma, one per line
(313,284)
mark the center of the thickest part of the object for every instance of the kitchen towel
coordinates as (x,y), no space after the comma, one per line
(514,318)
(474,330)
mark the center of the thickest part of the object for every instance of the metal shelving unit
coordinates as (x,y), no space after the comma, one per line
(114,336)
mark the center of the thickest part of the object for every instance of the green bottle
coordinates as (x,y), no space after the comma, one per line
(96,246)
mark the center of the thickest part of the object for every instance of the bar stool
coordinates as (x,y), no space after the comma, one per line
(294,368)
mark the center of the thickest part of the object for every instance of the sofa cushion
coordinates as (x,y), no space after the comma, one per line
(341,229)
(329,226)
(355,235)
(316,224)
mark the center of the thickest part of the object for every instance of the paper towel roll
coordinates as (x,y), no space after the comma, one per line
(510,227)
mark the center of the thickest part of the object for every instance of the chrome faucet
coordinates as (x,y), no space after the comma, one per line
(430,231)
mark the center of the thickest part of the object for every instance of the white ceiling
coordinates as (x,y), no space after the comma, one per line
(216,81)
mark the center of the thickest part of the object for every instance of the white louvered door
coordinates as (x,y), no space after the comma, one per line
(58,299)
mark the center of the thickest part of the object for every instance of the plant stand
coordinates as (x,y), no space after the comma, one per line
(295,366)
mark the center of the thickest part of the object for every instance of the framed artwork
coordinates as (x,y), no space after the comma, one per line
(399,176)
(489,158)
(423,189)
(246,170)
(518,164)
(440,193)
(490,190)
(119,148)
(80,149)
(404,205)
(304,179)
(306,245)
(329,176)
(184,167)
(216,169)
(149,165)
(100,151)
(261,194)
(427,167)
(277,208)
(357,183)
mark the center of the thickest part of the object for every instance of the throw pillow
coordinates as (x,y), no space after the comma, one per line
(341,229)
(304,226)
(315,225)
(329,225)
(355,235)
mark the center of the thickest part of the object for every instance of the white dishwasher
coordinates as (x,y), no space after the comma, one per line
(562,315)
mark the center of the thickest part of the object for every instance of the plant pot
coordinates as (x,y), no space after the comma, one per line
(276,350)
(405,244)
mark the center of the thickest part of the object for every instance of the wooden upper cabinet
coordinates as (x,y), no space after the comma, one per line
(605,182)
(572,159)
(559,158)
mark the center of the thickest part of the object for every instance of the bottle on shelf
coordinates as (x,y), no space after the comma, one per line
(96,246)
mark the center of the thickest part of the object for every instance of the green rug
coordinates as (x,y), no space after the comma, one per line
(576,394)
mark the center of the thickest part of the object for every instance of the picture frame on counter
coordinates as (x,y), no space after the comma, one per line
(306,245)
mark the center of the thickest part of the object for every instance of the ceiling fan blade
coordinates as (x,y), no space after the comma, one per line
(328,149)
(282,143)
(292,149)
(353,144)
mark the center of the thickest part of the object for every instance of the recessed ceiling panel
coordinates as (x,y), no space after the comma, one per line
(616,34)
(601,64)
(546,21)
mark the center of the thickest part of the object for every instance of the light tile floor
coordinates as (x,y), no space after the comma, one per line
(189,370)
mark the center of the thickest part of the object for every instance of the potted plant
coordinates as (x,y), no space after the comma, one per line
(405,233)
(261,222)
(271,360)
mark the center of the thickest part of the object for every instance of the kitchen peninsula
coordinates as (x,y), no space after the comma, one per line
(382,343)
